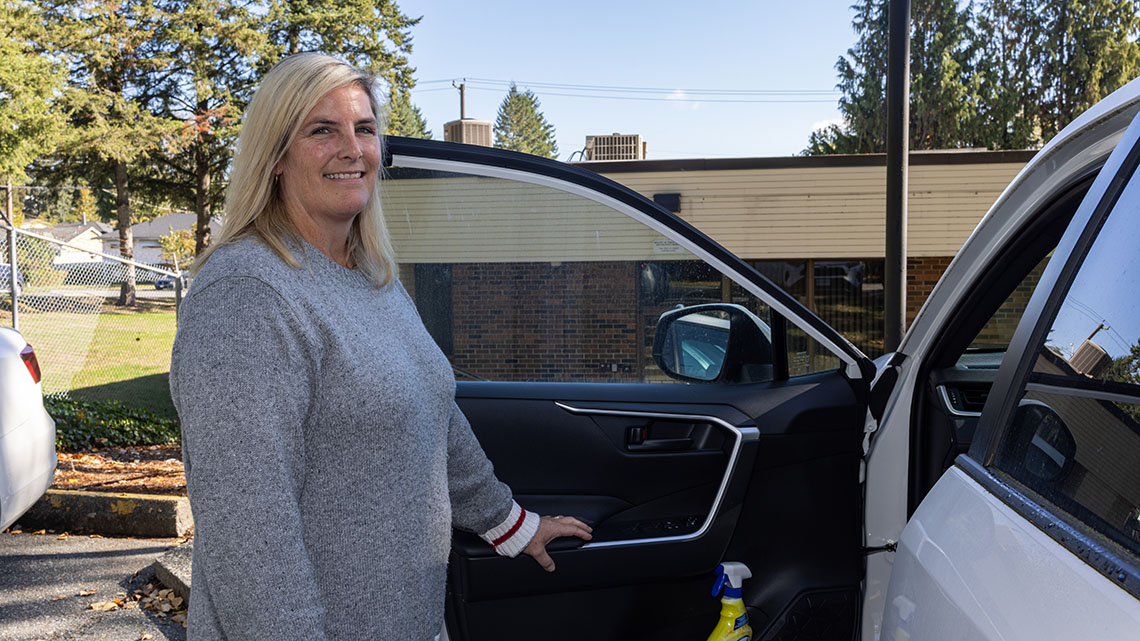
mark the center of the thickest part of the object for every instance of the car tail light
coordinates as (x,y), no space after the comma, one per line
(28,355)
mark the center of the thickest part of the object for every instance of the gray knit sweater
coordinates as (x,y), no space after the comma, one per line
(326,459)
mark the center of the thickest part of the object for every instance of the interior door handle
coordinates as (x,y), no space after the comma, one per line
(662,445)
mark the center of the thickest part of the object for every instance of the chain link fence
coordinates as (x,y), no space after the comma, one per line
(91,342)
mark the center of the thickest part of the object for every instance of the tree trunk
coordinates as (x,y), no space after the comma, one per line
(202,196)
(126,238)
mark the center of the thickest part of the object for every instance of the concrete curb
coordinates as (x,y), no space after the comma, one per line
(173,569)
(144,515)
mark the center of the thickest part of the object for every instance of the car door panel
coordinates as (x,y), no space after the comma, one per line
(667,517)
(548,283)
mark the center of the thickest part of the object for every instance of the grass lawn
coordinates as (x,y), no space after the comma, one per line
(118,354)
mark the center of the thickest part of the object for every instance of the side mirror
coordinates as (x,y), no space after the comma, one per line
(715,343)
(1040,443)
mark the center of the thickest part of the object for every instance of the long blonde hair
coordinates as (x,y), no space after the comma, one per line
(253,199)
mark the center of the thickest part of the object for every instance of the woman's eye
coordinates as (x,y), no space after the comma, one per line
(365,130)
(321,130)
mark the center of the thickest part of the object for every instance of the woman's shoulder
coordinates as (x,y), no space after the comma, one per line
(247,258)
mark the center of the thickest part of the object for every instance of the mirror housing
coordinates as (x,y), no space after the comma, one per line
(719,343)
(1040,444)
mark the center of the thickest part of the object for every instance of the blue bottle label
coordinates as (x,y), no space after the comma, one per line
(741,621)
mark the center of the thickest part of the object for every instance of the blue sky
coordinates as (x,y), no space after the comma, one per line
(786,48)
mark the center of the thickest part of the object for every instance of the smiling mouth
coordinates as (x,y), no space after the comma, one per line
(345,176)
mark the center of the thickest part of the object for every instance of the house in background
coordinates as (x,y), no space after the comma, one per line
(80,241)
(145,236)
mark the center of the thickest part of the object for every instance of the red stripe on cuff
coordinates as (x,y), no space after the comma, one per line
(514,528)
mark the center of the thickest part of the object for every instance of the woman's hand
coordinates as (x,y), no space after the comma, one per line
(550,528)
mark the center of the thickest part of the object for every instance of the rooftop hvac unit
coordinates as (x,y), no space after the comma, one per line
(469,131)
(615,147)
(1090,359)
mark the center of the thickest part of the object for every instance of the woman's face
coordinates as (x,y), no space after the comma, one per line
(328,173)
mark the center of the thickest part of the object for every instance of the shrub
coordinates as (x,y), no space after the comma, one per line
(81,425)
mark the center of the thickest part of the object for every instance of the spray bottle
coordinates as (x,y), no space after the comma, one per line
(733,624)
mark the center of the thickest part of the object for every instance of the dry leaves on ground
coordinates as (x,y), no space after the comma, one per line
(164,602)
(153,469)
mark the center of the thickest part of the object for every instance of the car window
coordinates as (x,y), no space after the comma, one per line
(987,348)
(1075,436)
(523,282)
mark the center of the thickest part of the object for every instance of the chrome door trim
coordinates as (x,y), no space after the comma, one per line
(740,435)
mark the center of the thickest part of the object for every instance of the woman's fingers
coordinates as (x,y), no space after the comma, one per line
(550,528)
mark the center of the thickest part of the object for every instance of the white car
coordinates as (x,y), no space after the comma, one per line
(983,482)
(27,432)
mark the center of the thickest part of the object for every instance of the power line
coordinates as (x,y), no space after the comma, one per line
(657,93)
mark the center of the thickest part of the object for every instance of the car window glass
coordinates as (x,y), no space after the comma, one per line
(998,331)
(522,282)
(1075,436)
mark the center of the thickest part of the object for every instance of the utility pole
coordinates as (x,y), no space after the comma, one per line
(462,87)
(898,125)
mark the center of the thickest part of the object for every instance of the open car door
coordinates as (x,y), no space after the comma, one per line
(735,437)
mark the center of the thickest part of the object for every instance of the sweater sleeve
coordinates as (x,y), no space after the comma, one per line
(481,503)
(241,376)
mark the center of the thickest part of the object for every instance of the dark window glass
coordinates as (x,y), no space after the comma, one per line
(1075,437)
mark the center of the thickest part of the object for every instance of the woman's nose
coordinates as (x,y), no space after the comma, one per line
(351,149)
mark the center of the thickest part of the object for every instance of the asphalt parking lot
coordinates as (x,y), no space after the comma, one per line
(49,585)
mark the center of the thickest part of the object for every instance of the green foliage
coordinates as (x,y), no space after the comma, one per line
(30,119)
(177,246)
(370,34)
(1009,74)
(863,82)
(521,126)
(82,425)
(404,118)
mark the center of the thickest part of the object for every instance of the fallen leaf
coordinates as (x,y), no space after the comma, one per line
(103,606)
(86,592)
(146,637)
(62,536)
(40,532)
(59,597)
(93,536)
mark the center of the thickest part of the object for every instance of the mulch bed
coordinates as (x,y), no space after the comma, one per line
(152,469)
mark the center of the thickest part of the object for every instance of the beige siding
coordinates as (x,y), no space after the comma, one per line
(828,212)
(466,219)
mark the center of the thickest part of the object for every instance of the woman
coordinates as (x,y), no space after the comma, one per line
(326,458)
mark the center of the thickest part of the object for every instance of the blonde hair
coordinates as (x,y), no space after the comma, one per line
(253,199)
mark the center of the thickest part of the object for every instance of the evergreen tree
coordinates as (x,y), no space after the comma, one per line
(404,118)
(863,82)
(370,34)
(29,82)
(216,45)
(115,52)
(1010,34)
(944,85)
(521,126)
(1090,51)
(1010,77)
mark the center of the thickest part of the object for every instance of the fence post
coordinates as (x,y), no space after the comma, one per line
(13,277)
(177,292)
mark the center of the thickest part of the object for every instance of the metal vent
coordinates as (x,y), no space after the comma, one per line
(468,131)
(615,147)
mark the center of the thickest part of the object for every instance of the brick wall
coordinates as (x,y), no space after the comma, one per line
(921,276)
(544,322)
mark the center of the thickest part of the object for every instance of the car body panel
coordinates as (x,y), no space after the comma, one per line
(968,567)
(1070,158)
(27,433)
